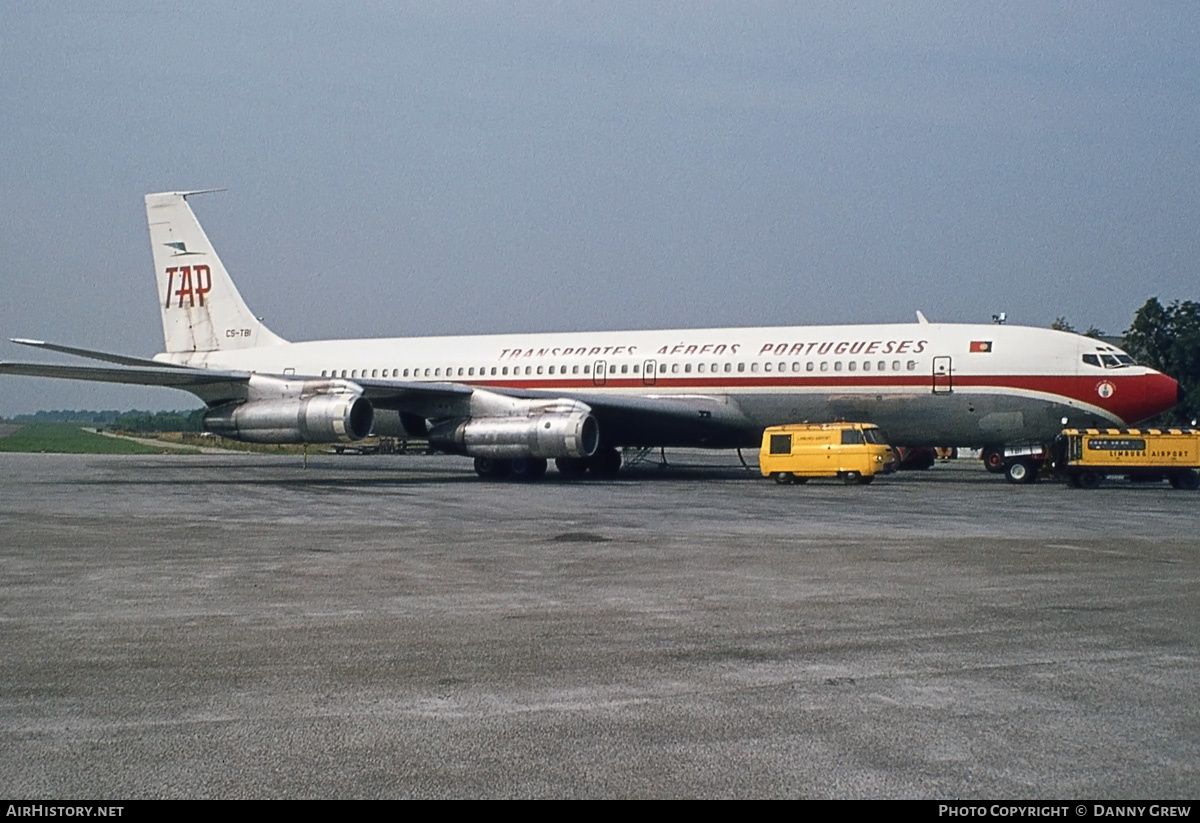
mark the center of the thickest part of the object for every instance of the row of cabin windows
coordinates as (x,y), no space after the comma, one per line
(635,368)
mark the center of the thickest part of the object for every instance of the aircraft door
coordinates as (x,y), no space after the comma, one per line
(649,373)
(943,380)
(599,373)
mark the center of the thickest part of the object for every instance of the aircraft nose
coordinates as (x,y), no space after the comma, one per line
(1162,393)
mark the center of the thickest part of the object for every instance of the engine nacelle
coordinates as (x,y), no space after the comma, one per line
(322,418)
(550,434)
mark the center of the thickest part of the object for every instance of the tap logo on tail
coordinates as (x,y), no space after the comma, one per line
(194,282)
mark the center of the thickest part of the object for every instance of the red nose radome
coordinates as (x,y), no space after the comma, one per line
(1144,397)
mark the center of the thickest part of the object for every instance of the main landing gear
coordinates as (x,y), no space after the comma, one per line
(606,462)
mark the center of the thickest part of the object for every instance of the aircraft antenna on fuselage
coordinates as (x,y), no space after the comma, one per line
(921,318)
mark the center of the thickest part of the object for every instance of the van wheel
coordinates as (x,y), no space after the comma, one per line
(1188,479)
(851,478)
(1089,479)
(782,478)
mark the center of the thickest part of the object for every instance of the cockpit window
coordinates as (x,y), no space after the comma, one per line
(1116,360)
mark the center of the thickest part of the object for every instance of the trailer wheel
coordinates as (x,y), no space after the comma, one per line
(1187,479)
(1021,471)
(1089,479)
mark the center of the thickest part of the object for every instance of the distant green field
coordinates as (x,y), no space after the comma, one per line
(69,438)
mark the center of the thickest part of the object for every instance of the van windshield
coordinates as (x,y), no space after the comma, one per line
(875,436)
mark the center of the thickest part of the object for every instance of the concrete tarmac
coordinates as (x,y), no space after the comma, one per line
(237,626)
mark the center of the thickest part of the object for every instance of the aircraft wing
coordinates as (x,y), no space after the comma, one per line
(625,418)
(630,420)
(212,387)
(122,359)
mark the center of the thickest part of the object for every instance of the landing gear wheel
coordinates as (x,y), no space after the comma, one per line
(993,459)
(528,468)
(571,466)
(606,462)
(783,478)
(491,468)
(1021,471)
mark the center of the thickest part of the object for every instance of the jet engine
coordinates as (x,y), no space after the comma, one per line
(546,434)
(321,418)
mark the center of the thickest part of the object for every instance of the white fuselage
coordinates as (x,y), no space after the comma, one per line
(924,383)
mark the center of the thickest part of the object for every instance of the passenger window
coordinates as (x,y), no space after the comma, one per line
(824,365)
(374,372)
(809,366)
(882,365)
(687,367)
(635,368)
(866,365)
(625,369)
(912,365)
(753,367)
(574,370)
(766,366)
(837,365)
(675,368)
(700,368)
(783,367)
(741,366)
(539,369)
(612,369)
(728,367)
(552,370)
(851,365)
(587,369)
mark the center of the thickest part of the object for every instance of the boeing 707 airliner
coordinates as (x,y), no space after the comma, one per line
(515,401)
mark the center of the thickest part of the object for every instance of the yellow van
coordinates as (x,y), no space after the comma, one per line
(1087,456)
(852,452)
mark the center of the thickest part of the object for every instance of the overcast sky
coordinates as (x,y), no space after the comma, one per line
(454,168)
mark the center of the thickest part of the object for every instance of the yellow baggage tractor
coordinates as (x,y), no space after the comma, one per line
(1087,456)
(852,452)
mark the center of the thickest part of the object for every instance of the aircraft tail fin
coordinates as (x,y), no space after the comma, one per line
(201,308)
